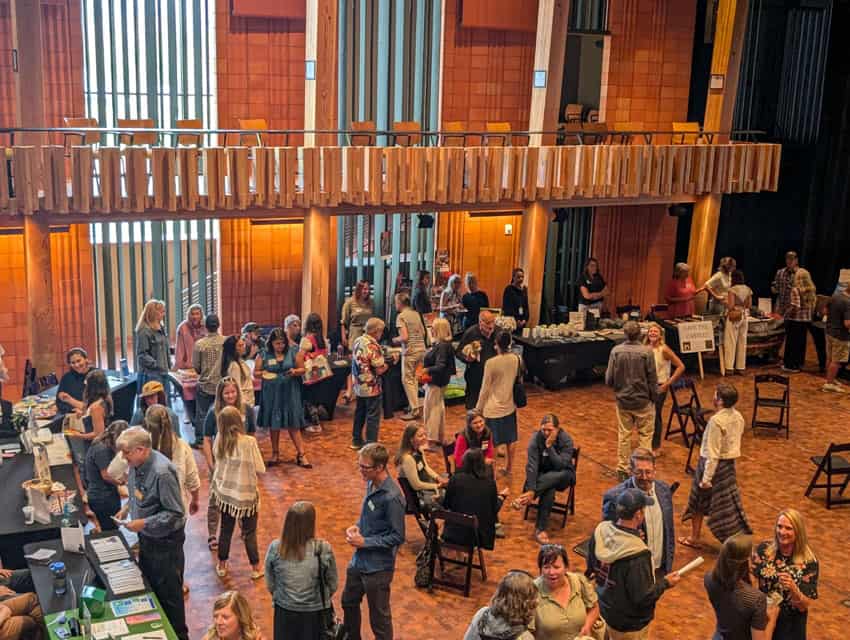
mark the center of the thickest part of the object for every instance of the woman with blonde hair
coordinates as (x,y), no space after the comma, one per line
(151,344)
(798,320)
(665,359)
(232,619)
(787,571)
(159,421)
(296,564)
(234,488)
(510,612)
(438,369)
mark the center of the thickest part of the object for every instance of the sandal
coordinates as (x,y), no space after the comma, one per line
(686,541)
(221,569)
(212,543)
(256,575)
(301,461)
(275,460)
(517,504)
(541,537)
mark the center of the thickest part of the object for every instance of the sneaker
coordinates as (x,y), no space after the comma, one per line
(834,388)
(313,429)
(500,533)
(789,370)
(356,446)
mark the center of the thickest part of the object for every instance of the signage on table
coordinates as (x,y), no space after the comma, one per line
(696,337)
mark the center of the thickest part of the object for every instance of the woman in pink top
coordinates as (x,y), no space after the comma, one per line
(188,332)
(476,435)
(680,292)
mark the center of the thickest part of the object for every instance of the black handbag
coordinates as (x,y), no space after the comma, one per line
(332,628)
(520,399)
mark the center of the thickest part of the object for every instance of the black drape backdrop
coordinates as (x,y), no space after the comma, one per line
(795,84)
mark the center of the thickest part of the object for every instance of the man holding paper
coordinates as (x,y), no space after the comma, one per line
(622,562)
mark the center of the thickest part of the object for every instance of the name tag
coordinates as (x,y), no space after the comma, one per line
(520,311)
(420,466)
(371,505)
(545,454)
(485,445)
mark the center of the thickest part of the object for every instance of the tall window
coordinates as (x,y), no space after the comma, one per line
(149,59)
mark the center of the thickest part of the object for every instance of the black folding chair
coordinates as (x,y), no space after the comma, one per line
(464,521)
(412,505)
(782,402)
(700,423)
(832,465)
(566,507)
(686,411)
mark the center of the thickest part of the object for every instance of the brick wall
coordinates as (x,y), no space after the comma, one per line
(487,74)
(260,71)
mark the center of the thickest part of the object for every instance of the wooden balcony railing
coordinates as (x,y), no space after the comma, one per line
(137,179)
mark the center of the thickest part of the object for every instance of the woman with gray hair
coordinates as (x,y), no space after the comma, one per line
(680,292)
(450,303)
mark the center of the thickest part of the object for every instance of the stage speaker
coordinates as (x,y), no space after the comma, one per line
(680,210)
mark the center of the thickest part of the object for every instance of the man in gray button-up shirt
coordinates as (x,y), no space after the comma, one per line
(631,372)
(157,515)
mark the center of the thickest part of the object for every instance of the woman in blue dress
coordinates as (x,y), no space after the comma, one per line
(281,367)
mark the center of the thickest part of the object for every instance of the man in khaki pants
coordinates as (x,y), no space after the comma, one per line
(412,335)
(631,372)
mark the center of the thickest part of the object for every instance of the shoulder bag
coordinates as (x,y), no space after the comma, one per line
(331,627)
(520,399)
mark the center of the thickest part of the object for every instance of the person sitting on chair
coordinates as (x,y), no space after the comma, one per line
(549,469)
(658,524)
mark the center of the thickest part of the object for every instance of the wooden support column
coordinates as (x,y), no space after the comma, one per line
(316,276)
(29,101)
(726,57)
(320,52)
(532,254)
(552,22)
(320,99)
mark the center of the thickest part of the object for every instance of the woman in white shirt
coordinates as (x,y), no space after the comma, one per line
(714,492)
(496,400)
(665,360)
(718,286)
(738,301)
(233,365)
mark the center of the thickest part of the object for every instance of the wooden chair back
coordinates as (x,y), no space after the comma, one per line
(595,133)
(573,133)
(189,139)
(572,112)
(85,123)
(627,136)
(366,139)
(252,124)
(406,133)
(686,132)
(448,140)
(137,138)
(498,134)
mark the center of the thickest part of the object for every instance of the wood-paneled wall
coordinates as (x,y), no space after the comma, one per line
(260,71)
(63,63)
(479,244)
(260,272)
(636,249)
(73,298)
(646,74)
(487,74)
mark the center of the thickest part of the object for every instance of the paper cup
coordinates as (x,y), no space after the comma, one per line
(29,514)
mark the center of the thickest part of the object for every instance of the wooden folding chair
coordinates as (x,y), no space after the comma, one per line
(687,133)
(366,139)
(572,112)
(252,124)
(85,138)
(832,465)
(498,134)
(568,506)
(626,133)
(137,138)
(406,133)
(188,139)
(449,140)
(468,551)
(781,402)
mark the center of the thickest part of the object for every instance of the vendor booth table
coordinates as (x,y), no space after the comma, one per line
(553,361)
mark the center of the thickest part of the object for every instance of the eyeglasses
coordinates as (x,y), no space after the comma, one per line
(643,473)
(366,467)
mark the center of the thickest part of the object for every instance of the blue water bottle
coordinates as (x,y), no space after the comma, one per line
(60,583)
(125,370)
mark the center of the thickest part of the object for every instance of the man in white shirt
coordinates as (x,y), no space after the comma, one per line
(658,526)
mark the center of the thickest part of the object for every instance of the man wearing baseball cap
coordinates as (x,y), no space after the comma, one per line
(625,580)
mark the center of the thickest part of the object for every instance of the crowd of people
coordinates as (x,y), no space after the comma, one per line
(145,474)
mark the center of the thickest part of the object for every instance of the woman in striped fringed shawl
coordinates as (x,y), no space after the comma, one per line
(234,488)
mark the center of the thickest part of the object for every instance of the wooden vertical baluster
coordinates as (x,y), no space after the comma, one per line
(332,179)
(214,176)
(774,176)
(171,179)
(571,169)
(470,172)
(81,178)
(390,192)
(375,168)
(354,166)
(137,173)
(160,181)
(110,179)
(55,190)
(239,172)
(26,175)
(497,171)
(260,164)
(431,173)
(420,171)
(456,162)
(187,168)
(519,176)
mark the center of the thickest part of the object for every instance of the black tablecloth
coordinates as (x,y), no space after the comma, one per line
(14,533)
(326,393)
(552,362)
(123,394)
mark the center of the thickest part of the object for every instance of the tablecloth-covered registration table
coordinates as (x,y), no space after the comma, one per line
(553,361)
(131,615)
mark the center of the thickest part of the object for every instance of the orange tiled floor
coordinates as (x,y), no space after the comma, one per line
(773,473)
